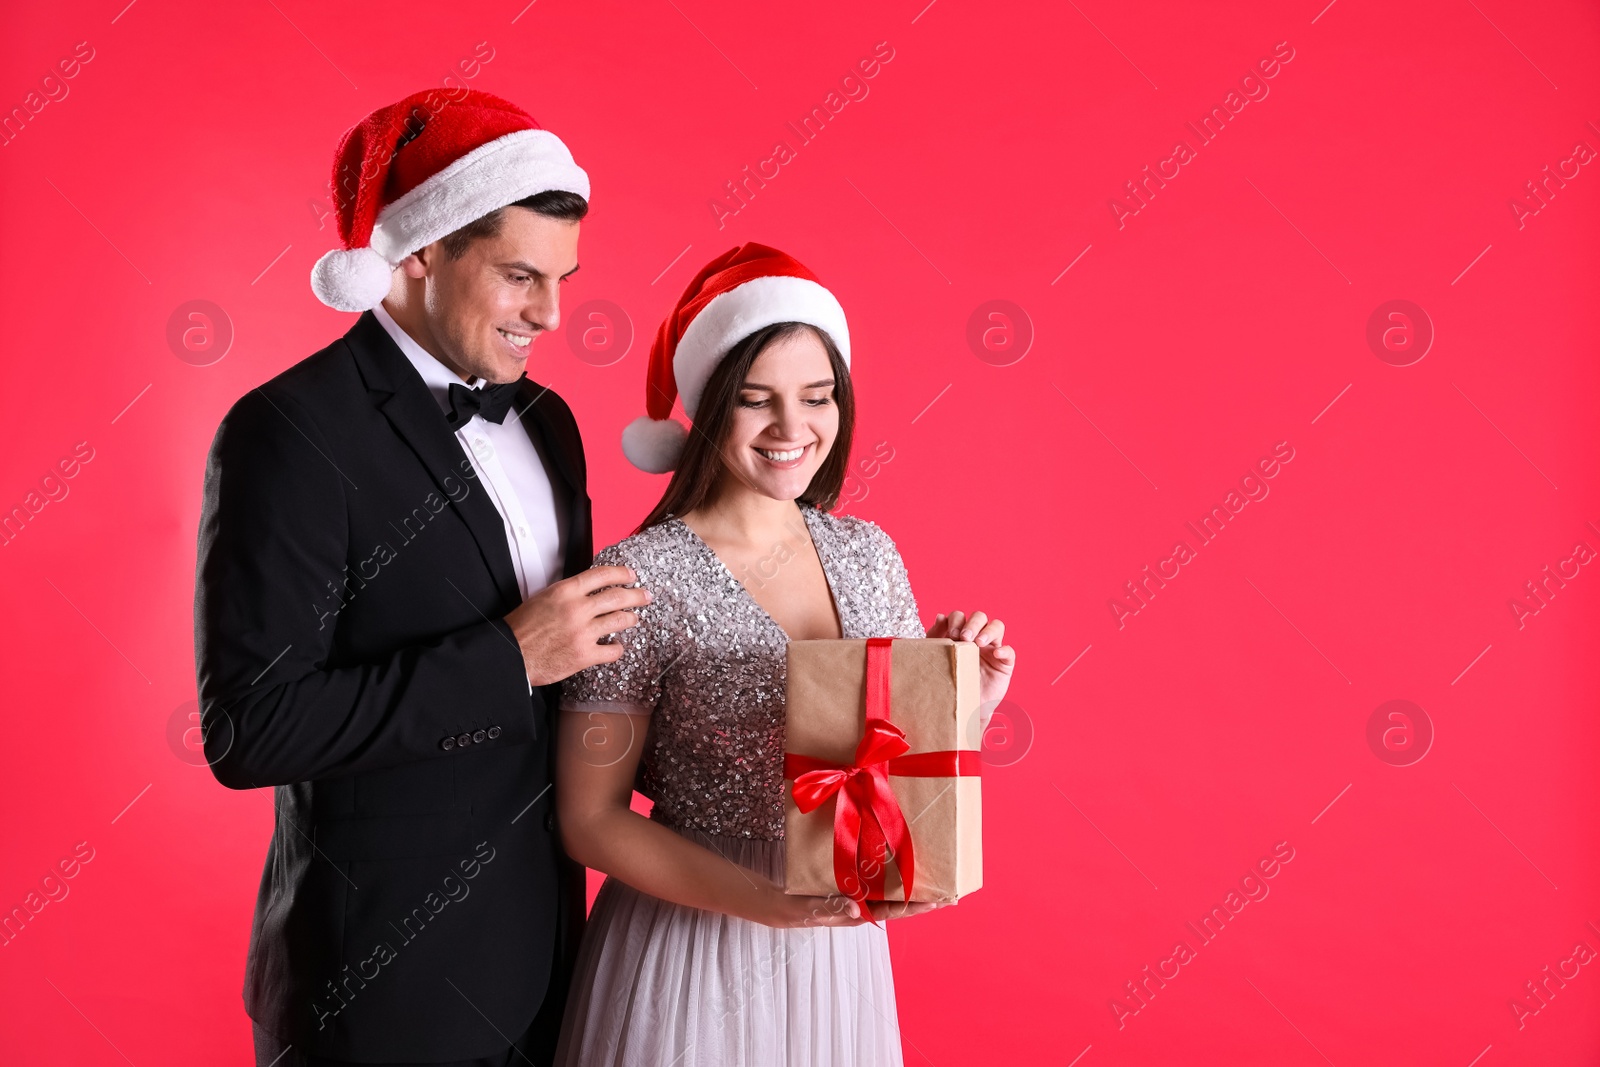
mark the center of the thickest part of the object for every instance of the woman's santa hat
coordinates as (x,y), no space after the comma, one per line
(743,290)
(412,172)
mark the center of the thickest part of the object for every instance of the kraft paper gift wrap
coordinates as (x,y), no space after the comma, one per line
(933,700)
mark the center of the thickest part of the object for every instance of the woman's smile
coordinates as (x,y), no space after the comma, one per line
(784,459)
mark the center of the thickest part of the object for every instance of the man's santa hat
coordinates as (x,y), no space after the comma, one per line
(412,172)
(741,291)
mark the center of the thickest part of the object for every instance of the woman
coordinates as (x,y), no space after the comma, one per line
(693,953)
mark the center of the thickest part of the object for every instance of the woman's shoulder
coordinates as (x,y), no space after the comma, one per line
(648,545)
(875,590)
(853,531)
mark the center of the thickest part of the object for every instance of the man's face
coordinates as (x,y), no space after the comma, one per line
(485,310)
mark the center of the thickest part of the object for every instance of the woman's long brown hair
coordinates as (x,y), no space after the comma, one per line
(701,466)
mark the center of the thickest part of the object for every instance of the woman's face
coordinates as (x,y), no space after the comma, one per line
(785,419)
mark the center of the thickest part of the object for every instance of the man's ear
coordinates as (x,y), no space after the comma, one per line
(416,264)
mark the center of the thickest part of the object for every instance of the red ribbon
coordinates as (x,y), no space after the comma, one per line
(868,825)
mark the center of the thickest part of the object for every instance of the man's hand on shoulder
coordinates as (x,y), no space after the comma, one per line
(559,627)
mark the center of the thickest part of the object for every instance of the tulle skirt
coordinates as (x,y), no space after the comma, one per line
(663,985)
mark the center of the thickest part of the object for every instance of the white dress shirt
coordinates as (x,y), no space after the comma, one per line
(510,467)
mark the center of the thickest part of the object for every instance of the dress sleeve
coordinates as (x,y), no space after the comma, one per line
(630,685)
(901,604)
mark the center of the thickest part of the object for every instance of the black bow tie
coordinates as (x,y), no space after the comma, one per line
(492,402)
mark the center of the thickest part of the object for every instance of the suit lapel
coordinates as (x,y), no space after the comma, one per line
(535,407)
(549,422)
(395,389)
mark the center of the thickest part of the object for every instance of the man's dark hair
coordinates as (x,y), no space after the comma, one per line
(553,203)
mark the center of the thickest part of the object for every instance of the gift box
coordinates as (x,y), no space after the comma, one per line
(882,788)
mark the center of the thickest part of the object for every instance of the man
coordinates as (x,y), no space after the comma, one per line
(392,577)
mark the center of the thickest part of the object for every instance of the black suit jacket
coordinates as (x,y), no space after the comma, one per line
(351,650)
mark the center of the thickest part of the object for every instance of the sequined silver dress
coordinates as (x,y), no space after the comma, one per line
(658,983)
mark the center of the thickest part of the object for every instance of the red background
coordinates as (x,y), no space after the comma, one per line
(189,161)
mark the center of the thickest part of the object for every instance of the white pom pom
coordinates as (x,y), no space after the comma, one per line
(654,445)
(351,279)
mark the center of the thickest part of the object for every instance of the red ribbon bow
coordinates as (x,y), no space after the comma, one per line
(868,826)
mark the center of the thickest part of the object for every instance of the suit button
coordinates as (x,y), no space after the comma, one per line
(494,732)
(478,736)
(448,743)
(550,819)
(464,740)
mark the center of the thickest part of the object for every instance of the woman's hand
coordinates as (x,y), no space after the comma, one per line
(995,660)
(898,909)
(774,907)
(777,908)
